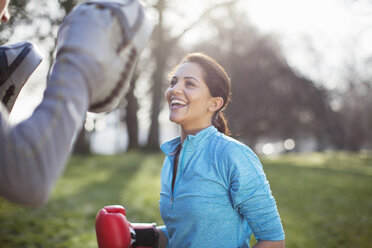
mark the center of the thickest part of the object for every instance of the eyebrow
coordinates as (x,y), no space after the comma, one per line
(189,77)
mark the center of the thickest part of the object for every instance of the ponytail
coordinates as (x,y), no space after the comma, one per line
(220,122)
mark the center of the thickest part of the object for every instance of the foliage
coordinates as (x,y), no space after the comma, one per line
(278,102)
(164,45)
(89,184)
(17,10)
(354,112)
(324,200)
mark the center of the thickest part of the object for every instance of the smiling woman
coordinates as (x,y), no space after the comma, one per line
(214,192)
(189,100)
(202,87)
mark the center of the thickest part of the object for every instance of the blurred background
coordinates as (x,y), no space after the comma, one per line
(301,71)
(301,76)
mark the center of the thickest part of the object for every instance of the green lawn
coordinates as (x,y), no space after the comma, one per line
(325,200)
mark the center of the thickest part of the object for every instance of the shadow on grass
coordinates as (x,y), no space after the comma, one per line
(322,205)
(88,184)
(323,200)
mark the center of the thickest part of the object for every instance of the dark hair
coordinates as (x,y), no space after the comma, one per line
(218,84)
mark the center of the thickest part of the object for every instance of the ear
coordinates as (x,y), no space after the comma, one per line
(215,103)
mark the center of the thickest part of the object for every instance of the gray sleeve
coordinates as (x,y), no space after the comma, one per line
(33,153)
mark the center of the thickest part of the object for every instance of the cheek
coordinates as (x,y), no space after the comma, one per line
(199,100)
(167,94)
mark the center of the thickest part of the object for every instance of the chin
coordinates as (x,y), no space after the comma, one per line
(175,120)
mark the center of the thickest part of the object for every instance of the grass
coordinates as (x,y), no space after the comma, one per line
(325,200)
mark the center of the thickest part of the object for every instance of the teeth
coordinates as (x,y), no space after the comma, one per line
(176,101)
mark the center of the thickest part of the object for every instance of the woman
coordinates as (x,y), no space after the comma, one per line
(214,192)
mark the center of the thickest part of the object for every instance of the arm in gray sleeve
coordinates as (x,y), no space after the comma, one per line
(33,153)
(98,45)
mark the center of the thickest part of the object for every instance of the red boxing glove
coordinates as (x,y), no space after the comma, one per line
(112,228)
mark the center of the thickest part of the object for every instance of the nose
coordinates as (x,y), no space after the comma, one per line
(177,88)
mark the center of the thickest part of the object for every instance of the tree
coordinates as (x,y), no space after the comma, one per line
(130,116)
(19,15)
(163,47)
(355,112)
(269,98)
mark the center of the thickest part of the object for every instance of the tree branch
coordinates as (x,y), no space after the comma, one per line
(204,15)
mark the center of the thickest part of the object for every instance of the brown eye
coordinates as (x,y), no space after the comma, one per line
(173,82)
(190,83)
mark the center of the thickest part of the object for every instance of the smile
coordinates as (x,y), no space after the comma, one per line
(177,103)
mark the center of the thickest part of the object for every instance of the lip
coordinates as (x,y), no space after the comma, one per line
(173,107)
(177,106)
(177,98)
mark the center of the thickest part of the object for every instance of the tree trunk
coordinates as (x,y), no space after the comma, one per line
(131,115)
(163,45)
(161,53)
(82,145)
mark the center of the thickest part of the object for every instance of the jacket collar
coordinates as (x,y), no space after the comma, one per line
(193,141)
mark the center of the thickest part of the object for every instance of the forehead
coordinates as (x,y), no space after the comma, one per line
(189,69)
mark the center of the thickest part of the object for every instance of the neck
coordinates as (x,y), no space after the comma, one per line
(192,131)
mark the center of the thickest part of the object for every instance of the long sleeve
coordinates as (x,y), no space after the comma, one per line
(251,194)
(163,229)
(33,153)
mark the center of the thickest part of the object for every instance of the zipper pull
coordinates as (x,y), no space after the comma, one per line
(172,201)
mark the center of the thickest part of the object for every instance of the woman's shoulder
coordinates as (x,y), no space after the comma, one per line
(230,145)
(235,156)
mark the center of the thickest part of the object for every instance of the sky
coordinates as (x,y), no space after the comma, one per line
(318,37)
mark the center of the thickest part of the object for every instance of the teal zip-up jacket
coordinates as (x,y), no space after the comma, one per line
(220,197)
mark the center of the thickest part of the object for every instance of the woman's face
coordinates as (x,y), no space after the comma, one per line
(189,100)
(4,14)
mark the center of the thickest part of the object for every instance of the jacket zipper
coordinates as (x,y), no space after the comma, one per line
(180,170)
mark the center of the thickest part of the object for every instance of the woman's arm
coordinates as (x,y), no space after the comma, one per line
(270,244)
(252,198)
